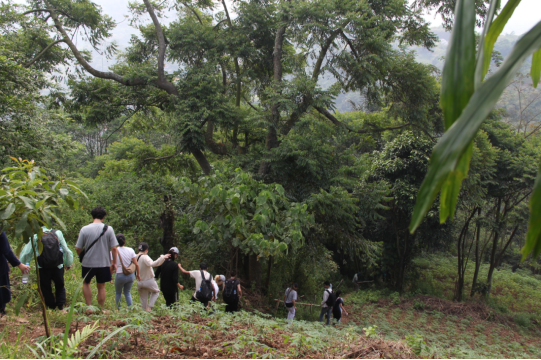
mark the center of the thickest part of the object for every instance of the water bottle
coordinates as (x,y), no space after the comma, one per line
(60,247)
(26,274)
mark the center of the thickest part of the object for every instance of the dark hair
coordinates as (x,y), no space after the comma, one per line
(327,283)
(121,239)
(143,246)
(295,285)
(338,293)
(98,213)
(203,266)
(233,273)
(173,255)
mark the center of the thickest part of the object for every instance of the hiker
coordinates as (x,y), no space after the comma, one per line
(169,284)
(147,286)
(7,255)
(217,282)
(232,293)
(338,307)
(327,304)
(289,301)
(355,281)
(127,267)
(54,257)
(95,241)
(203,289)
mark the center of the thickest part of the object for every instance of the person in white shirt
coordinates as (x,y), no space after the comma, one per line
(196,274)
(123,283)
(148,287)
(289,300)
(325,308)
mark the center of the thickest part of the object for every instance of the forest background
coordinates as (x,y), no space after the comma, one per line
(287,142)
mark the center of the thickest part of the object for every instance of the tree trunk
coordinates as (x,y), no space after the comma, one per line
(255,271)
(202,160)
(494,247)
(267,282)
(477,256)
(167,221)
(272,136)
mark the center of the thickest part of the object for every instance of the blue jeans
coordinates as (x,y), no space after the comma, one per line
(123,283)
(326,310)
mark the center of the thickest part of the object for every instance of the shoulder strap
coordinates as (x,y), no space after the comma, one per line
(95,241)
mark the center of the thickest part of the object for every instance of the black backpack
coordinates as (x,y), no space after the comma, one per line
(331,299)
(204,293)
(229,291)
(50,256)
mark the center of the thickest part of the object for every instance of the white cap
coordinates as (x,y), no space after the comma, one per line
(174,249)
(222,277)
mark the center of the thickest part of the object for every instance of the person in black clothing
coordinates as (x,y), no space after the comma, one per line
(7,255)
(169,284)
(338,307)
(232,293)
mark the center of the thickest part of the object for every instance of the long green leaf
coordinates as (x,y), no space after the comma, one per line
(533,237)
(20,303)
(495,30)
(456,140)
(479,74)
(457,84)
(535,72)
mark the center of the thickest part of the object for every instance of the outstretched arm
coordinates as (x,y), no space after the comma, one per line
(182,269)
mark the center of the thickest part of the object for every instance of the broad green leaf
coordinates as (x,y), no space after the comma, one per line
(457,139)
(282,247)
(7,211)
(457,84)
(261,199)
(28,203)
(535,71)
(495,30)
(533,237)
(22,224)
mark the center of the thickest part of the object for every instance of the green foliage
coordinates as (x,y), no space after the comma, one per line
(417,343)
(255,217)
(30,200)
(370,331)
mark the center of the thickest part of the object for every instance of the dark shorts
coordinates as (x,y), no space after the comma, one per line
(102,275)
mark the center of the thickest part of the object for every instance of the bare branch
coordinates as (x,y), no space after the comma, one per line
(28,64)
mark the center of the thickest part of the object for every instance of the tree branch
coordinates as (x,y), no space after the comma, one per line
(161,158)
(28,64)
(249,103)
(335,121)
(193,10)
(162,81)
(121,125)
(96,73)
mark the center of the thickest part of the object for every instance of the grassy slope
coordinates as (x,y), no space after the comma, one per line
(509,328)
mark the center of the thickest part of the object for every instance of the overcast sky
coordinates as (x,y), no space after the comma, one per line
(524,18)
